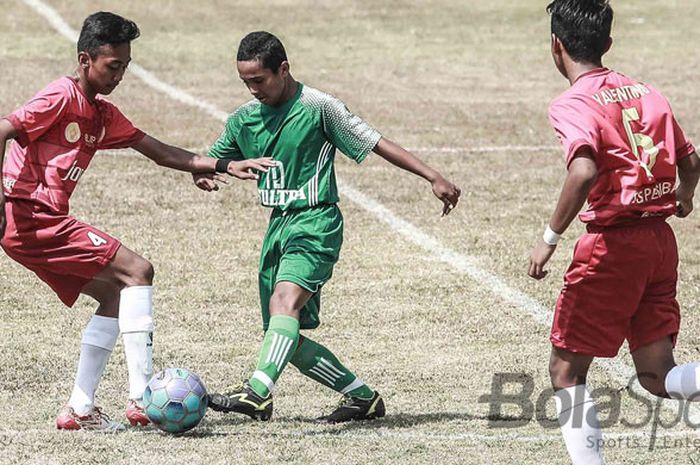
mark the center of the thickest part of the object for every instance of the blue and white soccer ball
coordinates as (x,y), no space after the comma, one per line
(175,400)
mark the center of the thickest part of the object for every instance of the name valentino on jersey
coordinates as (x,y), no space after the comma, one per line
(621,94)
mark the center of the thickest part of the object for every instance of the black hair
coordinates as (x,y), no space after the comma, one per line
(264,47)
(582,26)
(103,28)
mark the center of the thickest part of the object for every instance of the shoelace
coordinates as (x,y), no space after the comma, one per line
(235,390)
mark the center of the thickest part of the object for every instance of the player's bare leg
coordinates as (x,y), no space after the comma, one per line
(128,281)
(659,374)
(567,369)
(575,407)
(653,362)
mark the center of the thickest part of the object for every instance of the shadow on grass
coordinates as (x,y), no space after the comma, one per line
(217,425)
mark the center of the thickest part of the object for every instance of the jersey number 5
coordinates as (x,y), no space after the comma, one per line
(639,140)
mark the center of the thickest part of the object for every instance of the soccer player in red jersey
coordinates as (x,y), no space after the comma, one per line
(56,134)
(624,151)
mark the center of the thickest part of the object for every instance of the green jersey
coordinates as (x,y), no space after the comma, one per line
(301,136)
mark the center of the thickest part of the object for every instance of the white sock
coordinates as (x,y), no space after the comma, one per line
(136,324)
(578,420)
(683,382)
(98,341)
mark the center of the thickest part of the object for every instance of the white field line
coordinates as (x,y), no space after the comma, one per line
(687,437)
(465,264)
(59,24)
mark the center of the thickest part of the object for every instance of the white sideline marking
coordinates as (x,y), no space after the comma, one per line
(466,264)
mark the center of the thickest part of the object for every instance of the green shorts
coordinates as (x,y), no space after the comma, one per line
(300,246)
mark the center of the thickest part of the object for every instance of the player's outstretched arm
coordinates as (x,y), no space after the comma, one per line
(7,132)
(688,176)
(443,189)
(582,174)
(183,160)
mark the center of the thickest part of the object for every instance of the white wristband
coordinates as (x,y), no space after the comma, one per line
(550,237)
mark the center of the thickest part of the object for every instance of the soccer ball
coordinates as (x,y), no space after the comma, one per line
(175,400)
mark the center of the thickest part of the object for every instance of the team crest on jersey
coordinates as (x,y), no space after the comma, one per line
(72,133)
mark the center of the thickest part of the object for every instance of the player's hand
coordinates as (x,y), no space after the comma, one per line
(447,192)
(539,258)
(208,181)
(684,202)
(248,169)
(2,214)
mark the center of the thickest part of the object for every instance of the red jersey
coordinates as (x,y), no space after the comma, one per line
(59,131)
(636,141)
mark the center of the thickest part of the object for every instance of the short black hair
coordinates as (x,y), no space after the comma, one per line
(263,47)
(583,26)
(103,28)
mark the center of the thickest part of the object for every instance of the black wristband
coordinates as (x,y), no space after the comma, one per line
(222,165)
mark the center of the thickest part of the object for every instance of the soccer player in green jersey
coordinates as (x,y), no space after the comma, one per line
(300,128)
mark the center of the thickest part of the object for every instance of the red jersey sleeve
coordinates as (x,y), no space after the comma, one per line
(35,118)
(575,127)
(119,132)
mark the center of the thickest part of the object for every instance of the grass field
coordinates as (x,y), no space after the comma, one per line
(458,82)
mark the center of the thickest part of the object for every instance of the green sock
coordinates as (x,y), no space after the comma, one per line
(278,346)
(319,364)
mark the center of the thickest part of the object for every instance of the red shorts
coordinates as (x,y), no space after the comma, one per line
(621,285)
(65,253)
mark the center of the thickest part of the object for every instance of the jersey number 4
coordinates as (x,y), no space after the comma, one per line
(639,140)
(95,239)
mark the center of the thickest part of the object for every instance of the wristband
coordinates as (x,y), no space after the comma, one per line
(550,237)
(222,165)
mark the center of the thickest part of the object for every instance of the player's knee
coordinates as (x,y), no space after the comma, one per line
(562,377)
(282,303)
(149,273)
(142,273)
